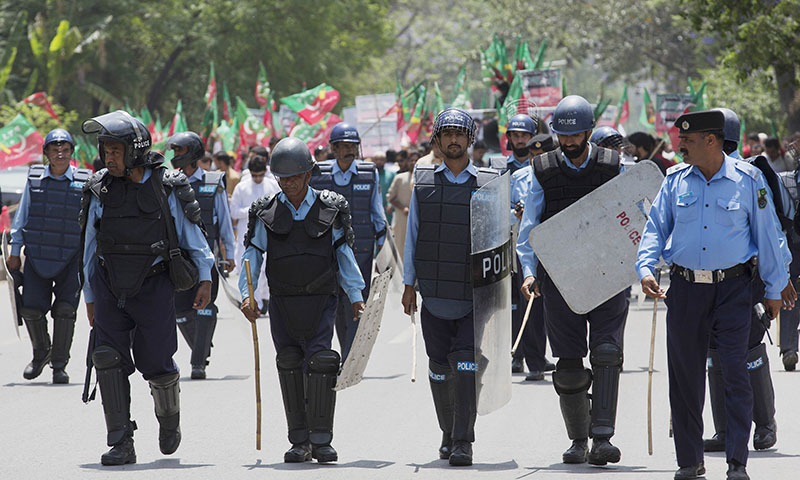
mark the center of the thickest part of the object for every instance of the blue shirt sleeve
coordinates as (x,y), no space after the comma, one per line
(90,246)
(225,223)
(412,230)
(531,217)
(20,219)
(771,264)
(350,277)
(376,210)
(660,221)
(191,239)
(255,253)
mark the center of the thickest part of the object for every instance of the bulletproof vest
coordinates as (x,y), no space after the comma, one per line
(132,231)
(563,185)
(300,253)
(789,181)
(359,195)
(52,233)
(442,253)
(205,191)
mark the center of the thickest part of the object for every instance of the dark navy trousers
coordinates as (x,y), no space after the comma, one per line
(321,340)
(695,313)
(38,292)
(790,319)
(443,337)
(184,300)
(146,324)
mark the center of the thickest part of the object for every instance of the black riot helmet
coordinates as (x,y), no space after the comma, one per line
(291,157)
(120,126)
(193,142)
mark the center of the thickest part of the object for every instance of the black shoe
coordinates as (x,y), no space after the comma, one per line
(516,365)
(169,434)
(549,366)
(535,376)
(198,372)
(120,454)
(60,376)
(789,361)
(34,369)
(447,446)
(737,472)
(299,453)
(765,437)
(603,452)
(461,455)
(715,443)
(694,471)
(324,454)
(576,453)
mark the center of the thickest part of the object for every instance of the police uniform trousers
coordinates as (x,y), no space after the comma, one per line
(185,300)
(695,313)
(443,336)
(319,341)
(567,330)
(345,326)
(145,324)
(534,339)
(38,292)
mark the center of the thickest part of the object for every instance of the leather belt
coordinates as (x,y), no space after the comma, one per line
(712,276)
(154,270)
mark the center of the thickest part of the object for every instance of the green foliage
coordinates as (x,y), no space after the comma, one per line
(40,119)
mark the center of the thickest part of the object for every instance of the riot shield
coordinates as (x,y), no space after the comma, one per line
(14,281)
(231,292)
(368,327)
(589,248)
(491,292)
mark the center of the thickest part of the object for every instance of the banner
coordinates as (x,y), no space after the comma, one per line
(543,87)
(20,143)
(670,106)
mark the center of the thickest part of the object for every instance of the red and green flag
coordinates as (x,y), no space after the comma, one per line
(461,99)
(312,105)
(85,152)
(698,96)
(228,136)
(623,108)
(20,143)
(251,131)
(647,117)
(40,100)
(210,116)
(522,55)
(316,134)
(508,110)
(414,127)
(226,103)
(178,121)
(264,98)
(438,103)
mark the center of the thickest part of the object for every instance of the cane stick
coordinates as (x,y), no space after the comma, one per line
(778,328)
(255,354)
(657,274)
(522,326)
(414,347)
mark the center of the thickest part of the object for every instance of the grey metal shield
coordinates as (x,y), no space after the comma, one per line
(231,292)
(12,288)
(368,328)
(491,256)
(589,248)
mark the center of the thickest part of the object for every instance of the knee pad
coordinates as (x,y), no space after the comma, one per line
(209,312)
(290,358)
(438,373)
(63,310)
(105,357)
(324,361)
(606,355)
(31,314)
(185,317)
(463,361)
(570,377)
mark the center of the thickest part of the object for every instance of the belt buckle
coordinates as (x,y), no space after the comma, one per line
(703,276)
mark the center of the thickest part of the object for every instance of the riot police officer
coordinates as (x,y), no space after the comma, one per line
(197,326)
(560,178)
(358,182)
(790,320)
(138,219)
(438,259)
(46,223)
(307,238)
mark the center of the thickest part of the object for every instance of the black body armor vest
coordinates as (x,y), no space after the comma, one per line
(205,191)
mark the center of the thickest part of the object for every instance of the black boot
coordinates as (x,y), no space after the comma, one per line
(115,390)
(206,323)
(441,380)
(606,360)
(293,390)
(516,365)
(321,403)
(765,435)
(716,390)
(577,452)
(572,383)
(465,407)
(63,330)
(789,361)
(36,323)
(165,390)
(737,471)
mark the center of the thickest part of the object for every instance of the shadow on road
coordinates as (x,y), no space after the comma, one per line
(481,467)
(42,384)
(212,379)
(160,464)
(562,467)
(370,464)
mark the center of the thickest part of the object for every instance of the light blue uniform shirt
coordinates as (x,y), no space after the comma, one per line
(714,224)
(376,208)
(520,186)
(512,160)
(442,308)
(222,215)
(350,278)
(21,216)
(190,238)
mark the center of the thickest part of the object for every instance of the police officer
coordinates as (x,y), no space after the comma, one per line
(791,319)
(306,236)
(607,137)
(46,223)
(129,293)
(765,434)
(358,182)
(708,200)
(197,326)
(560,178)
(437,253)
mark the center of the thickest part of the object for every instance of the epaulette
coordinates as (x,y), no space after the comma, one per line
(677,168)
(344,220)
(748,168)
(256,207)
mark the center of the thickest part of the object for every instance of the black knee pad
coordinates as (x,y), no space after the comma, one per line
(106,357)
(63,310)
(606,355)
(438,373)
(290,358)
(324,361)
(31,314)
(570,377)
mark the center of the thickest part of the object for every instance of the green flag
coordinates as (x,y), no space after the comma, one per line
(647,117)
(539,60)
(461,99)
(313,104)
(438,103)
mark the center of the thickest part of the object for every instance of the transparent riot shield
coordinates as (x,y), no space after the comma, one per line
(491,292)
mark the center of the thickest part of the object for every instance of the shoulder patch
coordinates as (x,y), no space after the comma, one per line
(748,169)
(677,168)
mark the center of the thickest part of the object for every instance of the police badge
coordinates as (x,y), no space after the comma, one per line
(762,197)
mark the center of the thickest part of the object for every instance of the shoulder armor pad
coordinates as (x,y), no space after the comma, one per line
(748,168)
(175,178)
(36,172)
(256,208)
(343,220)
(93,183)
(677,168)
(81,174)
(215,178)
(333,199)
(423,174)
